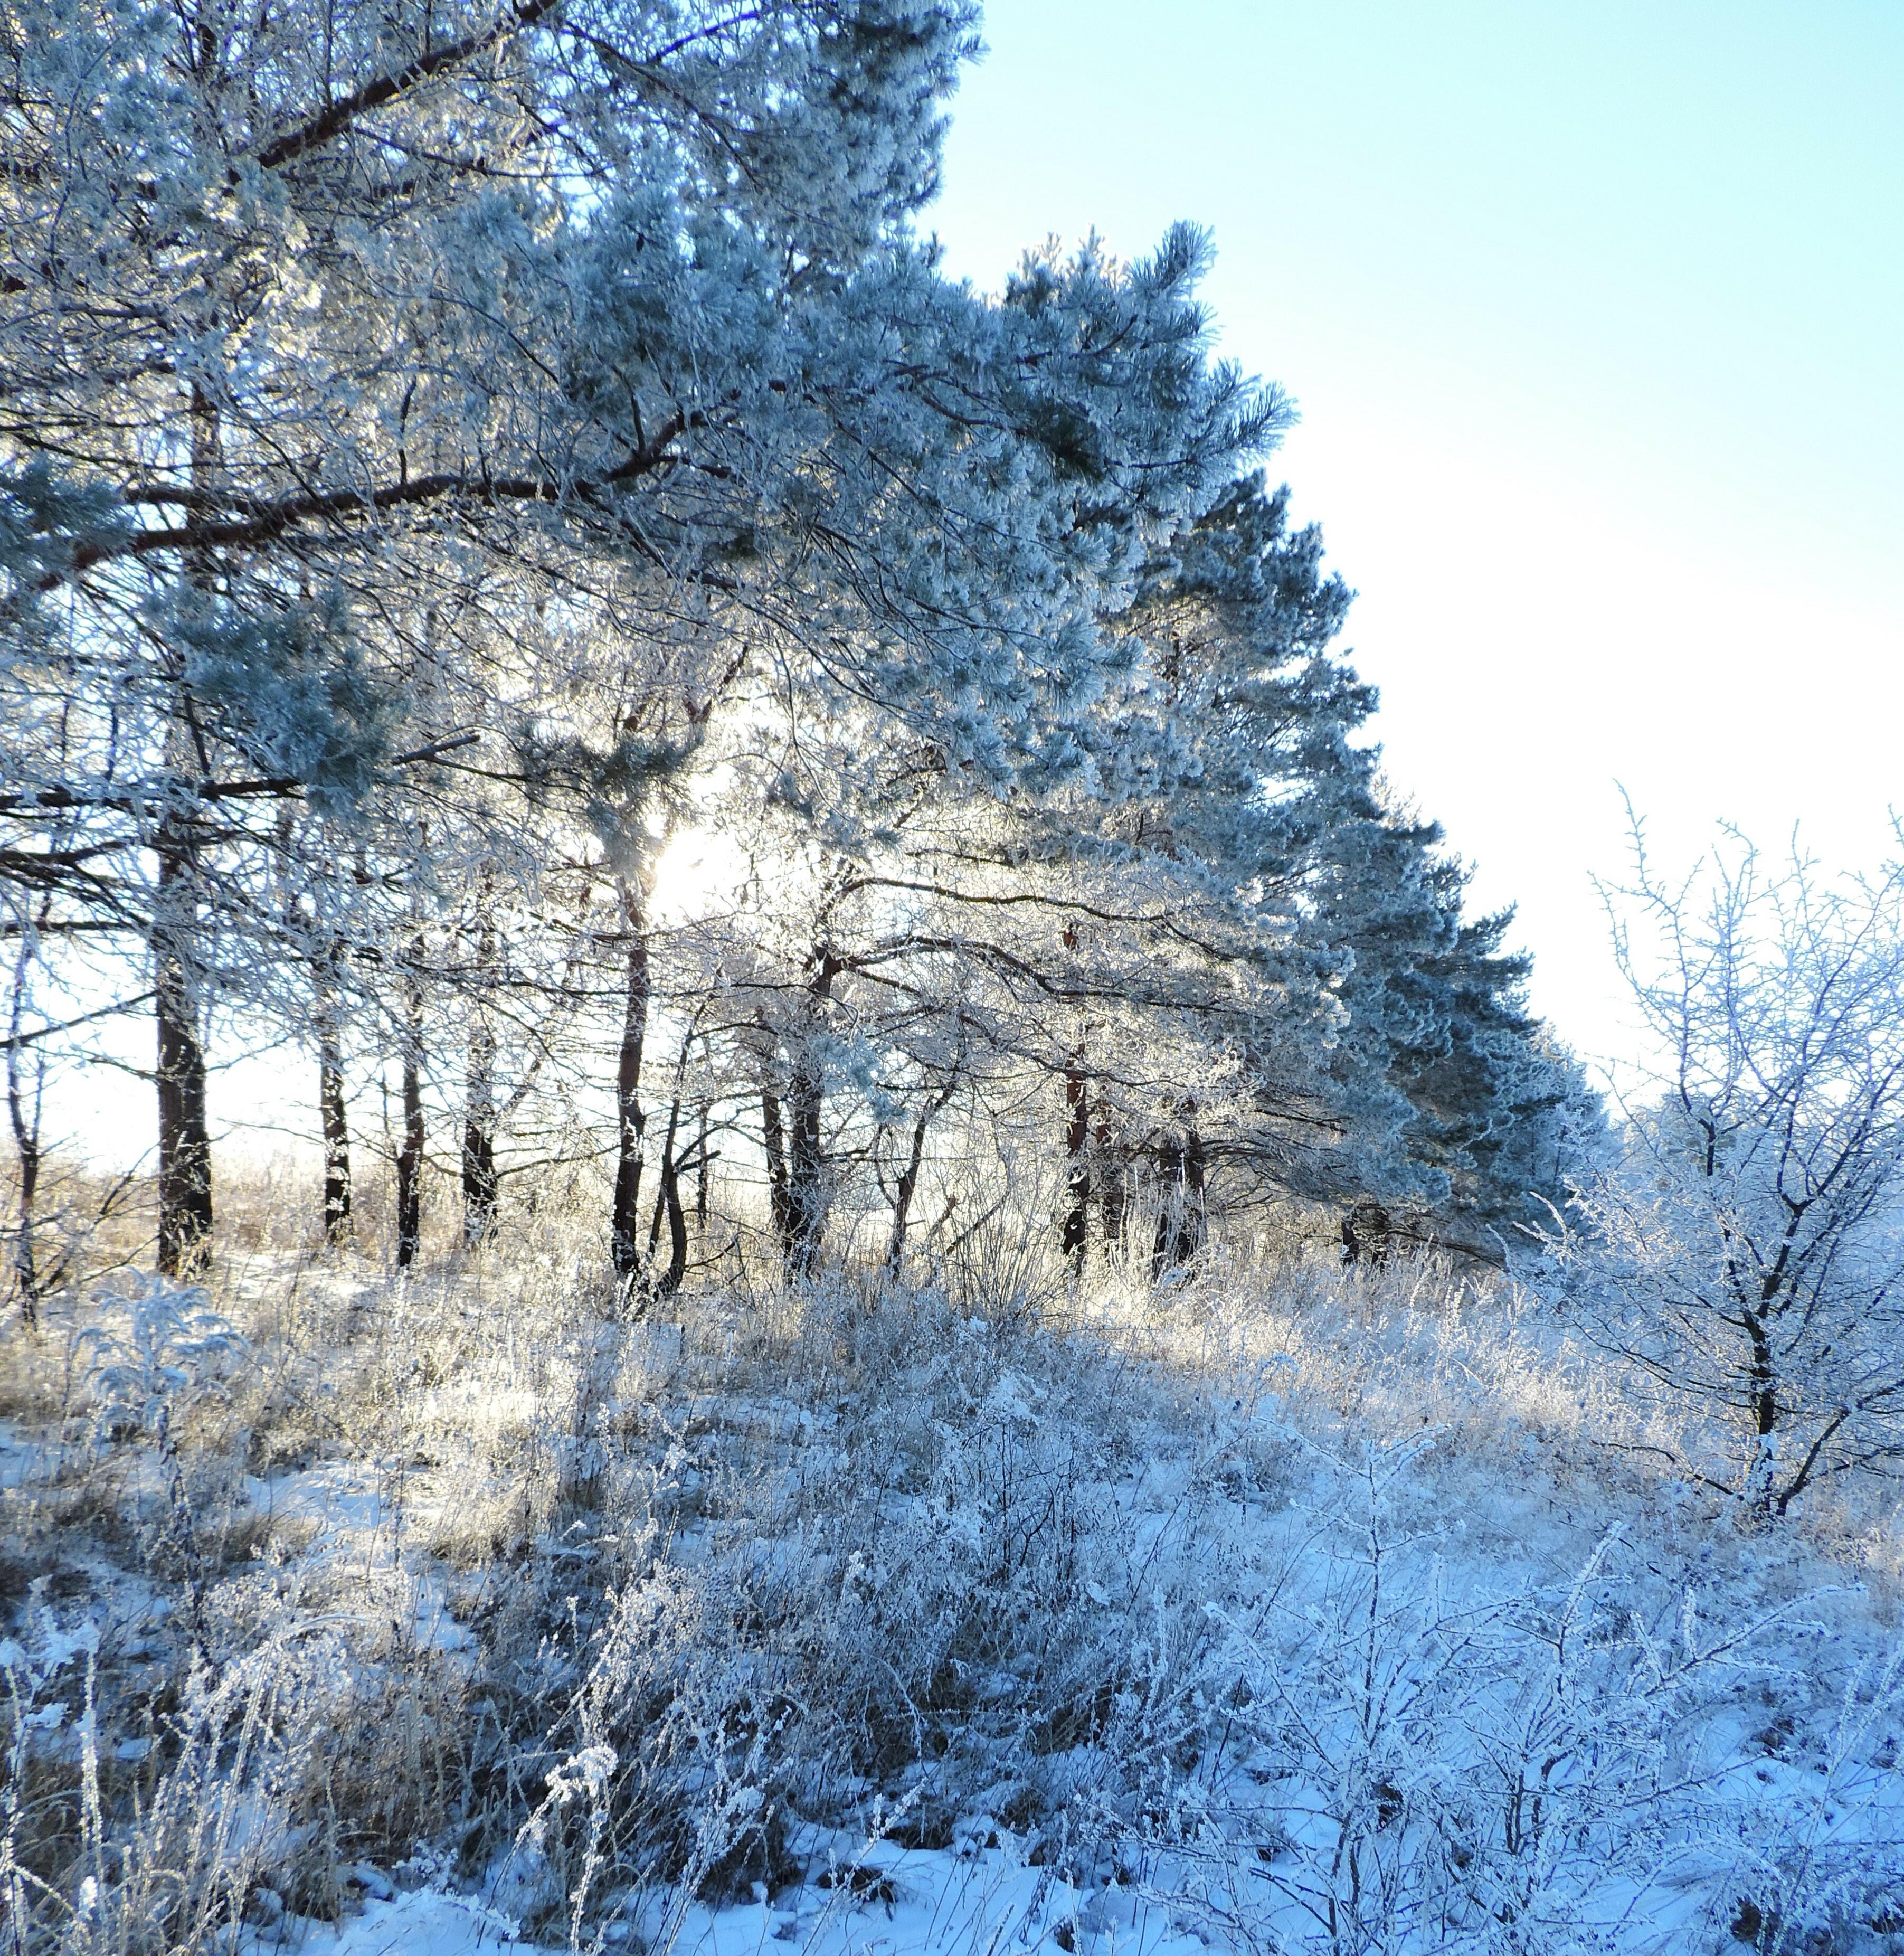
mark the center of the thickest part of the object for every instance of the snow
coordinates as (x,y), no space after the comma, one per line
(1353,1608)
(986,1903)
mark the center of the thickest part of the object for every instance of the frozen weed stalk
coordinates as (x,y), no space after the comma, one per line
(176,1874)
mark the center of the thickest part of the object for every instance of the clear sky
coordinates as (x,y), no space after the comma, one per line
(1595,315)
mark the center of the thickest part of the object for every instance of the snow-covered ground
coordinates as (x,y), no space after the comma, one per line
(1292,1614)
(982,1902)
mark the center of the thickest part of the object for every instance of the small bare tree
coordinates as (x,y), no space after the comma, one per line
(1746,1249)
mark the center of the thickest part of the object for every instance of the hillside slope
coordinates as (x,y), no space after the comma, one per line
(1289,1610)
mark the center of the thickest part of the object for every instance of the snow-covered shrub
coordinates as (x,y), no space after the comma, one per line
(1748,1250)
(1420,1762)
(153,1349)
(912,1572)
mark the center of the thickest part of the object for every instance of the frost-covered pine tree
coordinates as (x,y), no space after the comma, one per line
(1388,1053)
(313,301)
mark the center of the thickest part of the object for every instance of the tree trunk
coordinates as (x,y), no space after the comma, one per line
(1192,1213)
(1366,1231)
(624,1222)
(773,1130)
(668,1203)
(806,1190)
(25,1141)
(331,1113)
(184,1139)
(670,1278)
(409,1162)
(902,1198)
(481,1183)
(1170,1196)
(1762,1474)
(1111,1183)
(1077,1134)
(25,1266)
(337,1146)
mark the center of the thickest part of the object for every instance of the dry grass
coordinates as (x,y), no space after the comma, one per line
(954,1542)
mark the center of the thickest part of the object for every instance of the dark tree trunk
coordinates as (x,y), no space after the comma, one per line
(1111,1183)
(668,1204)
(669,1171)
(773,1130)
(409,1162)
(25,1266)
(1077,1135)
(184,1136)
(902,1194)
(25,1141)
(337,1146)
(1192,1213)
(702,1163)
(1169,1195)
(184,1139)
(624,1219)
(1366,1231)
(1761,1476)
(331,1114)
(668,1282)
(481,1183)
(806,1189)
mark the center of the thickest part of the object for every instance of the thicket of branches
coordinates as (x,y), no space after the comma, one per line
(451,456)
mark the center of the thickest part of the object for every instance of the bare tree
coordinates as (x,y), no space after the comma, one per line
(1746,1250)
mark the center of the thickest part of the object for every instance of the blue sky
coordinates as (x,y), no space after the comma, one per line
(1596,318)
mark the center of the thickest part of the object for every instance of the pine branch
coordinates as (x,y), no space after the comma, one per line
(333,121)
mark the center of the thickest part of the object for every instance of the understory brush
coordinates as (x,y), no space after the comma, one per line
(1331,1611)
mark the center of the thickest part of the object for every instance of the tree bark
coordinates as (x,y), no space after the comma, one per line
(700,1168)
(668,1204)
(624,1223)
(184,1139)
(902,1194)
(805,1194)
(25,1141)
(1183,1217)
(1365,1232)
(1074,1228)
(25,1265)
(331,1111)
(773,1129)
(481,1183)
(1170,1194)
(1761,1475)
(409,1162)
(1193,1214)
(337,1146)
(806,1190)
(1111,1183)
